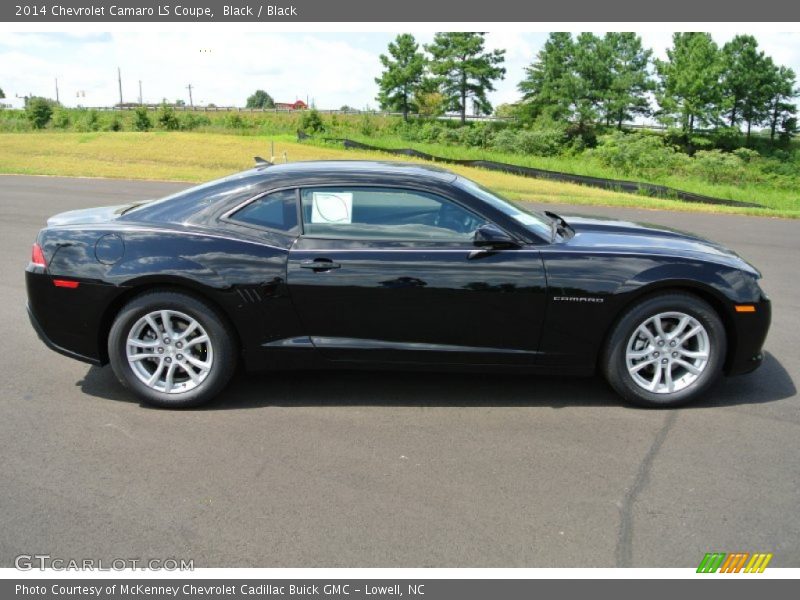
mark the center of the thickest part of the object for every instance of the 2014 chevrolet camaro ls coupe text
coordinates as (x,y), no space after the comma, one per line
(386,265)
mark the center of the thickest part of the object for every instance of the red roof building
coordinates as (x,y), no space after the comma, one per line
(296,105)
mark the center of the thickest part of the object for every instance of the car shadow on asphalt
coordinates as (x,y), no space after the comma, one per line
(769,383)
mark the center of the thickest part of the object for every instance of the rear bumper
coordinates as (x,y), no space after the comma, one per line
(750,331)
(53,346)
(69,320)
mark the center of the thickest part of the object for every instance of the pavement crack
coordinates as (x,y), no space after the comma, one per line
(624,549)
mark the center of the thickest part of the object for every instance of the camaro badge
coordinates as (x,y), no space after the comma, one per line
(578,299)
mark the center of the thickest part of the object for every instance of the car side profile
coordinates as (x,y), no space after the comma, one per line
(351,264)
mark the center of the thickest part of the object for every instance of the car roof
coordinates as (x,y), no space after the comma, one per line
(355,168)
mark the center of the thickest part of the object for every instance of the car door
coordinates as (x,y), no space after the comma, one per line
(392,275)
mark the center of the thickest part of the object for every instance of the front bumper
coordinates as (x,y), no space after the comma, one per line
(750,331)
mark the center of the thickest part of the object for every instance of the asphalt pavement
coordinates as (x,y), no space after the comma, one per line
(394,469)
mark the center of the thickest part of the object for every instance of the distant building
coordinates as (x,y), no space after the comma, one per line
(296,105)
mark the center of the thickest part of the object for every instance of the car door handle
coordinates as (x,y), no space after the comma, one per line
(319,264)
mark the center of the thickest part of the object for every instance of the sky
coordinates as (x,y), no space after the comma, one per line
(331,69)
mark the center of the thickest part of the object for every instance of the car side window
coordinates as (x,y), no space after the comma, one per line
(385,213)
(277,210)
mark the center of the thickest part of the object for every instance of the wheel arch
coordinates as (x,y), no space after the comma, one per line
(709,294)
(158,284)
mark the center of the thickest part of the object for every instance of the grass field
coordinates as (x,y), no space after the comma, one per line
(195,157)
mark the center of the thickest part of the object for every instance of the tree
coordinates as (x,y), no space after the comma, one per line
(429,99)
(2,94)
(260,99)
(591,78)
(38,110)
(745,82)
(690,81)
(549,84)
(465,70)
(403,71)
(781,110)
(630,81)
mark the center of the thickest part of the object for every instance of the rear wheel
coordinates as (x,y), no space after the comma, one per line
(665,351)
(172,349)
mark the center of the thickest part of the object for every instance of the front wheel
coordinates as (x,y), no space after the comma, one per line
(665,351)
(171,349)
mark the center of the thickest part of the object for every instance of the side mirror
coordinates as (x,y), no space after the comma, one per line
(491,236)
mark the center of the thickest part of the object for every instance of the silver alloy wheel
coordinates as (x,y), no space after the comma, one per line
(667,352)
(169,351)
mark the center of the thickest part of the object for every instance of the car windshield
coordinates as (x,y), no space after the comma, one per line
(536,222)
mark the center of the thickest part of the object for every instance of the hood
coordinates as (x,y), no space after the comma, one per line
(85,216)
(613,235)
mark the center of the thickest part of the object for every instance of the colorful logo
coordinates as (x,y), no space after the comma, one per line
(734,562)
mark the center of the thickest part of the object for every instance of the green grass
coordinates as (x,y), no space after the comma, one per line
(783,199)
(196,157)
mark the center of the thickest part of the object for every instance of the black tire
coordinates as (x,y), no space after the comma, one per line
(220,338)
(613,360)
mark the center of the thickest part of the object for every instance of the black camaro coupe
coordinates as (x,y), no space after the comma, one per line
(386,265)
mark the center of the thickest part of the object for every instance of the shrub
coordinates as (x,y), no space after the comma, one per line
(430,132)
(637,153)
(141,120)
(311,122)
(234,121)
(38,110)
(717,166)
(88,121)
(166,118)
(115,124)
(506,141)
(747,155)
(189,121)
(366,125)
(61,118)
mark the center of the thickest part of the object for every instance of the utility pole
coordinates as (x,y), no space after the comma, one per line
(191,102)
(119,79)
(57,90)
(141,98)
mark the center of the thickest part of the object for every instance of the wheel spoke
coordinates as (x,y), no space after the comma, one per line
(198,363)
(143,343)
(188,331)
(659,327)
(642,329)
(636,354)
(668,379)
(685,320)
(167,324)
(156,375)
(153,325)
(200,339)
(656,378)
(693,354)
(692,332)
(639,366)
(191,373)
(168,380)
(143,356)
(689,367)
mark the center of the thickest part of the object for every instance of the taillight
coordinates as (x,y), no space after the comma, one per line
(37,256)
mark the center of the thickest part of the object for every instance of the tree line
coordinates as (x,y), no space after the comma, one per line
(590,80)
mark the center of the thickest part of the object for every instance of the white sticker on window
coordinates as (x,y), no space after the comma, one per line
(330,207)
